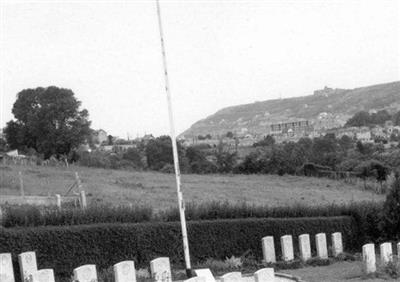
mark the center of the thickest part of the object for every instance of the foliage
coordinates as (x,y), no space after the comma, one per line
(390,223)
(159,152)
(363,118)
(47,120)
(66,247)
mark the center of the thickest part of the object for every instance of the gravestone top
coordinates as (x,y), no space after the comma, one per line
(27,264)
(43,275)
(6,268)
(264,275)
(124,271)
(232,277)
(161,269)
(206,273)
(86,273)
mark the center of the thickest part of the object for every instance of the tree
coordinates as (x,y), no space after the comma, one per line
(229,134)
(359,119)
(48,120)
(159,153)
(391,212)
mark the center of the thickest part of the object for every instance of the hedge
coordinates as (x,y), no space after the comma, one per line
(65,247)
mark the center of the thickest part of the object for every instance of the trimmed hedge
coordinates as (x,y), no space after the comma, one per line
(66,247)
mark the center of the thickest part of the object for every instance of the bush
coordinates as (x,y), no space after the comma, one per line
(65,248)
(391,212)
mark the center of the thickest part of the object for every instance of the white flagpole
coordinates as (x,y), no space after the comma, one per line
(175,150)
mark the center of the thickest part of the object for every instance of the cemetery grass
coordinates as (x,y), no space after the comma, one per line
(158,190)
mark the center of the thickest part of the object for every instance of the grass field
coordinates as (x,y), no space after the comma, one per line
(158,190)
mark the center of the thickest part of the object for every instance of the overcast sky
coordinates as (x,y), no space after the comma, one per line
(220,53)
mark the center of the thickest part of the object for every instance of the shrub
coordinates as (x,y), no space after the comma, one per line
(65,248)
(390,223)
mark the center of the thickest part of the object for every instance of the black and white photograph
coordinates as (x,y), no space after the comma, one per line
(199,140)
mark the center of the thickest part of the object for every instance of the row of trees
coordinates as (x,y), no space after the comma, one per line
(364,118)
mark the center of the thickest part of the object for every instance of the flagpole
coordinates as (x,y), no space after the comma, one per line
(174,149)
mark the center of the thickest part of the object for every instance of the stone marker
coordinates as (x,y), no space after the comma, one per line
(27,264)
(386,253)
(6,268)
(161,270)
(322,249)
(206,273)
(43,275)
(264,275)
(398,251)
(232,277)
(58,201)
(337,244)
(124,271)
(369,260)
(305,247)
(268,249)
(287,248)
(196,279)
(86,273)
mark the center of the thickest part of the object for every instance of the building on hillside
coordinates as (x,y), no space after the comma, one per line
(326,121)
(364,135)
(293,128)
(99,136)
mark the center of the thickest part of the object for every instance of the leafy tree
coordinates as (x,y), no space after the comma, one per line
(159,152)
(225,159)
(267,141)
(359,119)
(380,117)
(229,134)
(391,212)
(47,120)
(396,118)
(133,155)
(110,139)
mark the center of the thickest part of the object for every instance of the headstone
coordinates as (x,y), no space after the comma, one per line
(386,253)
(206,273)
(264,275)
(124,271)
(232,277)
(196,279)
(268,249)
(6,268)
(27,264)
(337,244)
(369,260)
(287,248)
(58,201)
(161,270)
(86,273)
(322,249)
(305,247)
(398,251)
(43,275)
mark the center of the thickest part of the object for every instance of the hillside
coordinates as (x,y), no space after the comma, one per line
(339,104)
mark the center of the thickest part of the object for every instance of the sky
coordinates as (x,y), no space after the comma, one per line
(219,54)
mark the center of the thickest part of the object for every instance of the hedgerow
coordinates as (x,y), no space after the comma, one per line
(65,247)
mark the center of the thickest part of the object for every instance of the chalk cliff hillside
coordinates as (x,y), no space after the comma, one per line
(338,104)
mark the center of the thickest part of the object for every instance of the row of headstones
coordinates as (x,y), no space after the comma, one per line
(304,246)
(123,271)
(386,255)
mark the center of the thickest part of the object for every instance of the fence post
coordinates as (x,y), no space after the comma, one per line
(78,181)
(21,184)
(82,200)
(58,199)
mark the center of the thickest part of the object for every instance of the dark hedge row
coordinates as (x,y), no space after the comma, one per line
(66,247)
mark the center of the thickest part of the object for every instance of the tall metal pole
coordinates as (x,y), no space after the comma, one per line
(174,149)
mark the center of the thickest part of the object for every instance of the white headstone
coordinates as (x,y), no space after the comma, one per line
(287,248)
(86,273)
(206,273)
(386,253)
(268,249)
(305,247)
(161,270)
(322,249)
(6,268)
(196,279)
(264,275)
(232,277)
(369,260)
(43,275)
(27,264)
(337,244)
(124,271)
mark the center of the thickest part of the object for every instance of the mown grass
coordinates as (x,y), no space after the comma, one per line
(158,190)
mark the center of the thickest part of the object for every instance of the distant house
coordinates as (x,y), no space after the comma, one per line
(364,135)
(99,136)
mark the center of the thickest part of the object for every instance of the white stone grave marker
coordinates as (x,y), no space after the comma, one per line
(86,273)
(206,273)
(386,253)
(322,249)
(43,275)
(232,277)
(305,247)
(6,268)
(196,279)
(287,248)
(124,271)
(369,259)
(268,249)
(27,264)
(398,251)
(264,275)
(337,244)
(161,269)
